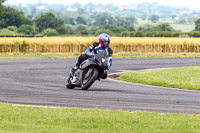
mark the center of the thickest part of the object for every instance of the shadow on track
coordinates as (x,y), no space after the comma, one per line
(98,90)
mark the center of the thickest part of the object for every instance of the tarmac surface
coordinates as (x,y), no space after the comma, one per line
(41,82)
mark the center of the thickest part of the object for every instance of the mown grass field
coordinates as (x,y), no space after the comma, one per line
(183,78)
(120,45)
(15,119)
(181,27)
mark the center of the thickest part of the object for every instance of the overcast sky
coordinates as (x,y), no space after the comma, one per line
(178,3)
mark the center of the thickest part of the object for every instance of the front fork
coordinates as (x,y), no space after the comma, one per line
(88,73)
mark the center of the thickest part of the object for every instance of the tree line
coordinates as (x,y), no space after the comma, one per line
(15,23)
(160,34)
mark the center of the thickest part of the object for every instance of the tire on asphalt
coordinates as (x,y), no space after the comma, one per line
(91,80)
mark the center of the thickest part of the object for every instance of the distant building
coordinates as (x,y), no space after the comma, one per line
(185,12)
(127,7)
(41,7)
(72,9)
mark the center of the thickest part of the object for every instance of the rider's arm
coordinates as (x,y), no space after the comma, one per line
(87,50)
(92,47)
(110,51)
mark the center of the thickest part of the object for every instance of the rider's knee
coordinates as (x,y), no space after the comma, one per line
(82,57)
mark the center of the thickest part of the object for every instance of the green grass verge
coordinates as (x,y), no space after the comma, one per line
(183,78)
(157,55)
(129,55)
(15,119)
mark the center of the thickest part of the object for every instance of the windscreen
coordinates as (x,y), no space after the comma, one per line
(101,54)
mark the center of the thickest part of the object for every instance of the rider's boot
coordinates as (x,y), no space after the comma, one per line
(73,70)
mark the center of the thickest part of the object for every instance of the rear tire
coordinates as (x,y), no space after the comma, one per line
(69,85)
(91,80)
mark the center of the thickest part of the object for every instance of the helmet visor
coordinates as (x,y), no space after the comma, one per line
(105,42)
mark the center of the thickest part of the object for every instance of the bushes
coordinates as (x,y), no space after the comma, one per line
(7,32)
(139,34)
(49,32)
(84,33)
(127,34)
(12,28)
(194,34)
(28,29)
(98,32)
(160,34)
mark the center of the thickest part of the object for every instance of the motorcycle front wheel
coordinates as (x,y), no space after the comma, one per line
(86,83)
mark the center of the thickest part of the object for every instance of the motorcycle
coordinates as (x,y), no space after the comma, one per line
(95,67)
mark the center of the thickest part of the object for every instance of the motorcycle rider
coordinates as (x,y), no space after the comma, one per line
(103,44)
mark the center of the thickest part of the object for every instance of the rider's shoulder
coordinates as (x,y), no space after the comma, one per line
(110,50)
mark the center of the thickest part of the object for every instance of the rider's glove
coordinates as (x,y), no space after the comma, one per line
(90,53)
(108,65)
(109,62)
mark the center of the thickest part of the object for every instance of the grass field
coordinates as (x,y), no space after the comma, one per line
(15,119)
(184,78)
(181,27)
(76,45)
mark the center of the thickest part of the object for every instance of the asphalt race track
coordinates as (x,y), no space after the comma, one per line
(42,82)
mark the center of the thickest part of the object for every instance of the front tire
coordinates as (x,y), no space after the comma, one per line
(91,80)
